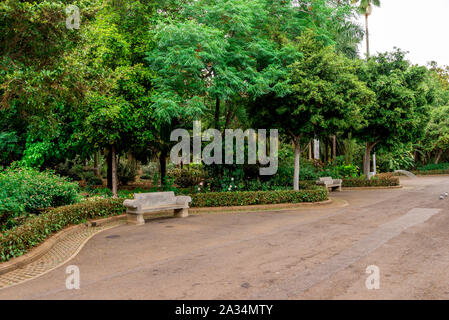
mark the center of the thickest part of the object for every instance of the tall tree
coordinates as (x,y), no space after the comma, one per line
(324,97)
(401,108)
(365,8)
(119,82)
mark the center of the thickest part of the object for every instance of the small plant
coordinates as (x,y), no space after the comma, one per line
(168,184)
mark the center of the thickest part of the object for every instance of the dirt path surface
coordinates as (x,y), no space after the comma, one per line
(310,253)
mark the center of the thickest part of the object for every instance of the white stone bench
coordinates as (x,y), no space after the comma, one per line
(330,183)
(155,202)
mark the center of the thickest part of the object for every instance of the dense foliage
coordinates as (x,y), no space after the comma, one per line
(25,190)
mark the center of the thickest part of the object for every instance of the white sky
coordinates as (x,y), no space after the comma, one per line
(418,26)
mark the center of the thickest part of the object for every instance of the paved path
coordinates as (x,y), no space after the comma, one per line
(319,253)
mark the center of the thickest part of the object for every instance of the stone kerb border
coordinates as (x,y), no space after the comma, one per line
(39,251)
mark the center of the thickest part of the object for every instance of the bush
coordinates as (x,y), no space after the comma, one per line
(340,172)
(222,199)
(307,173)
(187,176)
(36,229)
(92,179)
(25,190)
(70,169)
(381,180)
(126,173)
(284,176)
(149,171)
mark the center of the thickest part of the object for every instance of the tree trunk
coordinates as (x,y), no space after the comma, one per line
(367,159)
(438,157)
(96,164)
(114,172)
(109,172)
(296,173)
(217,113)
(229,117)
(163,165)
(334,147)
(310,150)
(367,36)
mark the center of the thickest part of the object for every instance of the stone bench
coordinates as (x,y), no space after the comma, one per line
(330,183)
(155,202)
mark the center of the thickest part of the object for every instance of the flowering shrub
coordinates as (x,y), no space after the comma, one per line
(26,190)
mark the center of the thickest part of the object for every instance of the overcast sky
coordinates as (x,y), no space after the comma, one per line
(418,26)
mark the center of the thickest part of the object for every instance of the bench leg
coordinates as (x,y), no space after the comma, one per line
(339,189)
(133,218)
(181,213)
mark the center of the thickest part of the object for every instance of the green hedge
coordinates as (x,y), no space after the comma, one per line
(36,229)
(224,199)
(430,172)
(383,180)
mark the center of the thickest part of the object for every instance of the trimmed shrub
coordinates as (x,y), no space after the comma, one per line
(187,177)
(36,229)
(222,199)
(26,190)
(381,180)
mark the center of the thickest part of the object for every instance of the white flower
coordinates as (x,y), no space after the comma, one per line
(201,183)
(232,179)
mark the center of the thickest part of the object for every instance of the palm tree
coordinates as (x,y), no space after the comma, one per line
(365,7)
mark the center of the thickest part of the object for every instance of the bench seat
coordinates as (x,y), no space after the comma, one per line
(330,183)
(155,202)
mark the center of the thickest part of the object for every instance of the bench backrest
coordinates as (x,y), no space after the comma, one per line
(155,198)
(327,179)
